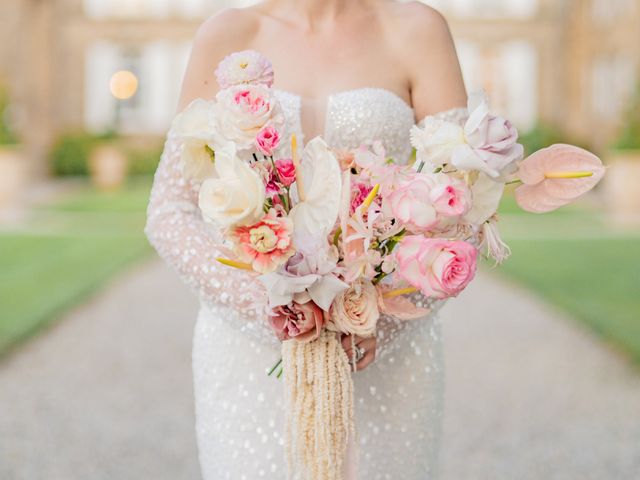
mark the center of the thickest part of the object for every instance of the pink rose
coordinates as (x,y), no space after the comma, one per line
(268,140)
(301,322)
(355,310)
(266,244)
(411,205)
(439,268)
(451,197)
(286,171)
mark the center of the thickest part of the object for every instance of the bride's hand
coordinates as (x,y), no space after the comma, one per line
(369,345)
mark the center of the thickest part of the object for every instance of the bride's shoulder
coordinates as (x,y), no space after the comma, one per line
(417,21)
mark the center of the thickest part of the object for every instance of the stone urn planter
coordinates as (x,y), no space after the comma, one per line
(13,174)
(108,165)
(621,186)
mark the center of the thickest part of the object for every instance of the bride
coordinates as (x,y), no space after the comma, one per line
(352,71)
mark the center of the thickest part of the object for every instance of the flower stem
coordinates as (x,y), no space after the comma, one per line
(273,369)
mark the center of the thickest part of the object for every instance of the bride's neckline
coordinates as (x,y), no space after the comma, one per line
(348,91)
(329,98)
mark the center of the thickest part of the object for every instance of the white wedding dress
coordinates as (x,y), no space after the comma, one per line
(239,409)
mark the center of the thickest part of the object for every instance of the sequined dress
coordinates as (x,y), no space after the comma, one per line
(239,414)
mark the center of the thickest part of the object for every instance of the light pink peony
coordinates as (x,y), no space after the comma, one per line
(301,322)
(355,310)
(437,267)
(411,205)
(286,170)
(266,244)
(268,140)
(247,66)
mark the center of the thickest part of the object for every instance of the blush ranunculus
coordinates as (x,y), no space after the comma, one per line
(411,205)
(301,322)
(266,244)
(437,267)
(268,140)
(248,66)
(286,170)
(355,310)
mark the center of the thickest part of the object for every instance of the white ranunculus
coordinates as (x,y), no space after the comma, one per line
(241,111)
(436,141)
(194,127)
(236,196)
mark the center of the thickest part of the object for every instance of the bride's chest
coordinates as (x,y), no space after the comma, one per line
(350,118)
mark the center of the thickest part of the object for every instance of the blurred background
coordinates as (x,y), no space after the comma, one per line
(95,332)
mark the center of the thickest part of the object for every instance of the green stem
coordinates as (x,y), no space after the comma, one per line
(273,369)
(513,182)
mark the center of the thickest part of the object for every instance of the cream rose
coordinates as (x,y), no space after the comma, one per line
(355,310)
(236,196)
(242,111)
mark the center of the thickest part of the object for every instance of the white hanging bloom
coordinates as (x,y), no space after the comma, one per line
(496,248)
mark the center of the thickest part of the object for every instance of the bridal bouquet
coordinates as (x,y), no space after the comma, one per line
(339,238)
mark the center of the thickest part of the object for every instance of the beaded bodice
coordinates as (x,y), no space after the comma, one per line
(177,231)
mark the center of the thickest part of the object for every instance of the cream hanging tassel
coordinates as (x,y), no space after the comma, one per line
(318,406)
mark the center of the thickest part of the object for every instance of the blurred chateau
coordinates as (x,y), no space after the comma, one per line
(573,63)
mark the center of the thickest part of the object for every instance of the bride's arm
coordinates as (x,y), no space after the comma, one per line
(432,62)
(175,227)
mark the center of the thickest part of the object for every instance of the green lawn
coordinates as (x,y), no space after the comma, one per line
(574,260)
(64,253)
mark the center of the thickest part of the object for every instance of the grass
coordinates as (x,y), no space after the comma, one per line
(67,251)
(574,260)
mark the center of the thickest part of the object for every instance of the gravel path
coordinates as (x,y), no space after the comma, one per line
(106,393)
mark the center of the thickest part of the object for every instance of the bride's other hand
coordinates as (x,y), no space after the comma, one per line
(369,345)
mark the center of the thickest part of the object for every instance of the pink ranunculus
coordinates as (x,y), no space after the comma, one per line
(266,244)
(286,170)
(301,322)
(450,196)
(438,267)
(411,205)
(268,140)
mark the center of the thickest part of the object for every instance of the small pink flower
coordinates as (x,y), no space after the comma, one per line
(439,268)
(411,205)
(286,171)
(248,67)
(266,244)
(268,140)
(301,322)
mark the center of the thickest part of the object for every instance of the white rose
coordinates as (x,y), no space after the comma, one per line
(243,110)
(193,126)
(236,196)
(436,141)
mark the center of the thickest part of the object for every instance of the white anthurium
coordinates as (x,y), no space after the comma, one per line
(320,173)
(486,194)
(194,127)
(236,196)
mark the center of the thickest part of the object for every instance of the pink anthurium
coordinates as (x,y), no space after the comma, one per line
(556,176)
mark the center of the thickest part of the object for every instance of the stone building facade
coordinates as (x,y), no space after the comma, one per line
(579,57)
